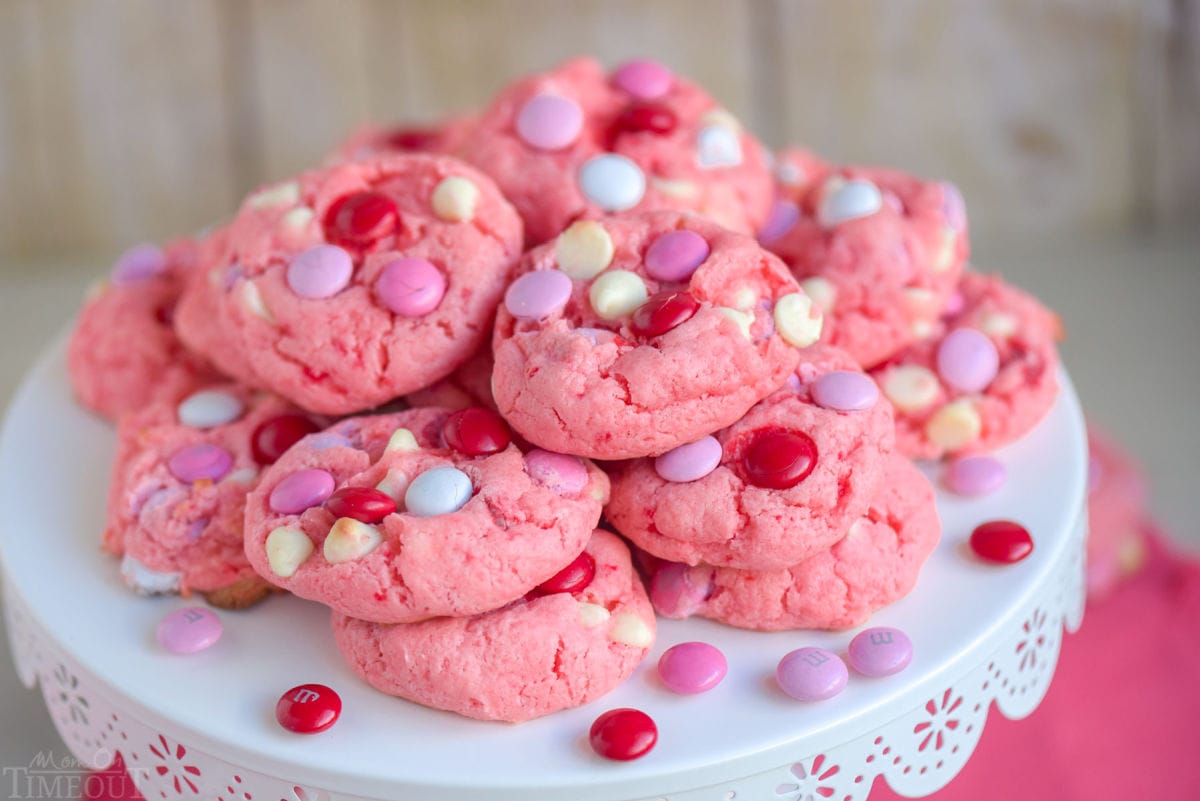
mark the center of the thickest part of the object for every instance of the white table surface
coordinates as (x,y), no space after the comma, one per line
(1133,332)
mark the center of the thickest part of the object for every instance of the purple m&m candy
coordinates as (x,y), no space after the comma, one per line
(692,667)
(301,490)
(675,256)
(975,475)
(188,630)
(322,271)
(689,462)
(139,263)
(411,287)
(845,391)
(197,462)
(812,674)
(537,295)
(967,360)
(549,122)
(783,217)
(880,651)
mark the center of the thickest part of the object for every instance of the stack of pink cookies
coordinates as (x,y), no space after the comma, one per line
(410,383)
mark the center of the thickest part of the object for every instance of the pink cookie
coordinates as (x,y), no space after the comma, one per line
(522,661)
(428,528)
(469,385)
(349,286)
(985,378)
(881,249)
(629,336)
(123,354)
(1116,545)
(777,487)
(445,136)
(576,142)
(875,564)
(178,493)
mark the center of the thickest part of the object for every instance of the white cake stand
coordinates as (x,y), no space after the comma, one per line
(202,726)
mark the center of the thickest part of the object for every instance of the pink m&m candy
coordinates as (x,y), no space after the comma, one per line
(811,674)
(301,490)
(967,360)
(975,475)
(560,472)
(197,462)
(643,78)
(139,263)
(308,708)
(322,271)
(675,256)
(845,391)
(783,217)
(689,462)
(539,294)
(692,667)
(677,590)
(188,630)
(880,651)
(411,287)
(549,122)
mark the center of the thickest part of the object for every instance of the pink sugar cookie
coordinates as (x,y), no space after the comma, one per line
(984,379)
(876,563)
(522,661)
(351,285)
(444,533)
(177,498)
(792,478)
(629,336)
(445,137)
(577,142)
(883,250)
(123,354)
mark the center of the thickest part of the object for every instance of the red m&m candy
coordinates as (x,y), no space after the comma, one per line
(364,504)
(662,312)
(575,577)
(623,734)
(779,459)
(360,219)
(476,432)
(646,118)
(308,708)
(1001,541)
(274,436)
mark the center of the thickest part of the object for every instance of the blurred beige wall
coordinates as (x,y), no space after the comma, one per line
(123,120)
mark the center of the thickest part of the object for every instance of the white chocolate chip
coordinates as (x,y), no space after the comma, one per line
(216,276)
(592,615)
(955,425)
(722,118)
(921,329)
(247,476)
(631,630)
(617,293)
(910,387)
(298,218)
(597,493)
(822,292)
(945,254)
(402,440)
(285,194)
(743,319)
(798,320)
(918,300)
(454,199)
(394,484)
(350,539)
(252,299)
(998,324)
(287,548)
(745,298)
(584,250)
(676,188)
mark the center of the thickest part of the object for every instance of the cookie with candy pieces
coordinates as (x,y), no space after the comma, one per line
(177,499)
(780,485)
(874,565)
(123,354)
(424,513)
(446,137)
(561,647)
(986,378)
(879,249)
(632,335)
(579,142)
(360,282)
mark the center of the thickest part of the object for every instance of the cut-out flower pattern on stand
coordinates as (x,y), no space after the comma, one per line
(814,782)
(942,720)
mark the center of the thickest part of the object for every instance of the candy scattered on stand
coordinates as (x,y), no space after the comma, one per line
(812,674)
(1001,541)
(188,630)
(974,476)
(623,734)
(880,651)
(308,709)
(692,667)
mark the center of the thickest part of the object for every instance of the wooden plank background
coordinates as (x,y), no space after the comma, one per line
(123,120)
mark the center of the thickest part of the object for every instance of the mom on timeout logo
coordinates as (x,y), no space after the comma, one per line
(55,777)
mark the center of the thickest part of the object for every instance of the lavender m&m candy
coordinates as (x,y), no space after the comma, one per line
(411,287)
(549,122)
(643,78)
(301,490)
(783,217)
(967,360)
(675,256)
(202,461)
(560,472)
(880,651)
(845,391)
(188,630)
(811,674)
(139,263)
(538,294)
(973,476)
(322,271)
(689,462)
(692,667)
(439,491)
